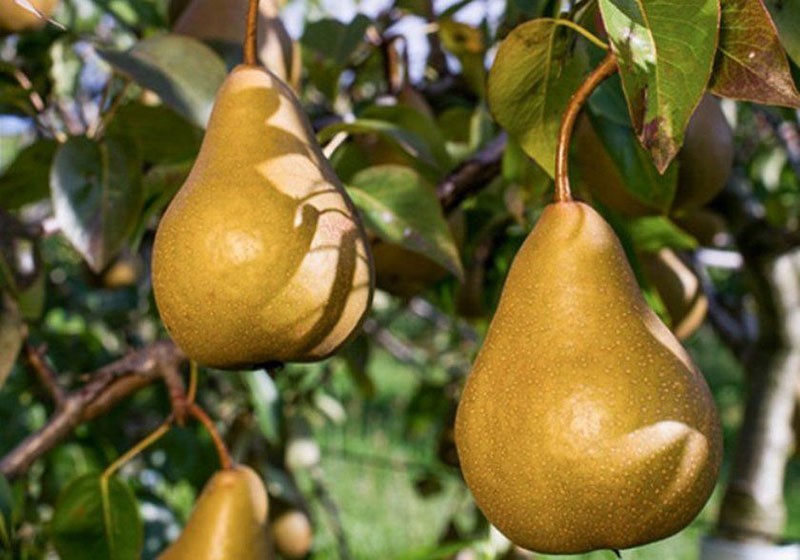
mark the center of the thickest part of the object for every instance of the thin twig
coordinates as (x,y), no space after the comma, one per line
(45,374)
(472,175)
(77,405)
(225,459)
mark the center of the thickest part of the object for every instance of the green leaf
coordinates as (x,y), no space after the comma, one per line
(639,175)
(27,179)
(416,124)
(665,51)
(97,195)
(10,336)
(402,208)
(97,521)
(266,402)
(328,45)
(184,72)
(530,83)
(162,135)
(751,64)
(409,142)
(786,15)
(649,235)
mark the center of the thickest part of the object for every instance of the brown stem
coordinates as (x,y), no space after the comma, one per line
(200,415)
(251,35)
(606,68)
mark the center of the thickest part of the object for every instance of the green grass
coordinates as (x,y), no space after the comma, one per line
(370,466)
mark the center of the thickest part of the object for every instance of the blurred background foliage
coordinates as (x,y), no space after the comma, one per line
(99,123)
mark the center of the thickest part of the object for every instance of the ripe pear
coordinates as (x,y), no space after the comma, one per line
(292,534)
(706,159)
(229,520)
(584,424)
(704,164)
(260,257)
(225,21)
(15,18)
(680,291)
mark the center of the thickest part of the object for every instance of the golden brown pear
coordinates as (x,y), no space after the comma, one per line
(292,534)
(14,17)
(225,21)
(705,162)
(584,424)
(261,256)
(680,291)
(229,520)
(706,159)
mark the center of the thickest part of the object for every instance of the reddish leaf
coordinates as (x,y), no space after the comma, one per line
(751,64)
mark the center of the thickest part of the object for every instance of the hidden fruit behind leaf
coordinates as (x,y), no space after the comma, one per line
(224,21)
(229,520)
(704,164)
(14,17)
(584,424)
(260,257)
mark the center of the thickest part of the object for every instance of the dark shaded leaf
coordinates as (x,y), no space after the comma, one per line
(402,208)
(665,52)
(97,195)
(161,135)
(27,179)
(751,64)
(266,402)
(96,521)
(530,83)
(786,15)
(184,72)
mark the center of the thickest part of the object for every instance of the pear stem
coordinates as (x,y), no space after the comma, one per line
(225,459)
(606,68)
(139,447)
(251,35)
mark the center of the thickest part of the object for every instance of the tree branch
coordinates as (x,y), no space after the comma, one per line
(107,386)
(472,175)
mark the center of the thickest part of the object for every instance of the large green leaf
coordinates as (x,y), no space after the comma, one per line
(97,521)
(97,195)
(161,134)
(530,83)
(27,179)
(328,45)
(786,15)
(665,51)
(184,72)
(751,63)
(402,208)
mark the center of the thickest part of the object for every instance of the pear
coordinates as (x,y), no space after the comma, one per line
(292,534)
(229,520)
(260,257)
(224,21)
(704,164)
(584,424)
(680,291)
(15,18)
(706,159)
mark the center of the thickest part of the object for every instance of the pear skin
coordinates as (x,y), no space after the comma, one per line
(225,21)
(292,534)
(260,257)
(229,520)
(15,18)
(706,159)
(584,424)
(680,290)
